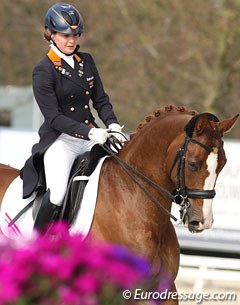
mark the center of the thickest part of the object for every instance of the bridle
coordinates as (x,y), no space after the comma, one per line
(181,193)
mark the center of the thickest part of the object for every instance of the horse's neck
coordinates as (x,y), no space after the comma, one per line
(147,152)
(148,148)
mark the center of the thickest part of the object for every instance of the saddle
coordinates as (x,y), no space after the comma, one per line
(82,168)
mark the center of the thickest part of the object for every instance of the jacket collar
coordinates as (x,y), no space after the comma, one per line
(67,71)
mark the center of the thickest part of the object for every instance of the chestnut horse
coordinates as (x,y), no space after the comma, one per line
(175,149)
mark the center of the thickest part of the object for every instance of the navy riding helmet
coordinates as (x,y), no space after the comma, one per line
(64,18)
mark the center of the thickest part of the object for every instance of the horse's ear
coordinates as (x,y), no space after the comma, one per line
(227,125)
(201,123)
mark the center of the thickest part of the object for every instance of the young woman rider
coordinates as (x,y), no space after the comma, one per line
(64,82)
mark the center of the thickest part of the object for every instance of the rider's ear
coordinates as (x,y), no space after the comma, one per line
(227,125)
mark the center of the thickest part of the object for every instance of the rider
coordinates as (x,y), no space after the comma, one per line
(64,81)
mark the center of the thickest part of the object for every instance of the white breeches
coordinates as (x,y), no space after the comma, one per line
(58,161)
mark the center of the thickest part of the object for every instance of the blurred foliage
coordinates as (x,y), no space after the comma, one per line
(149,52)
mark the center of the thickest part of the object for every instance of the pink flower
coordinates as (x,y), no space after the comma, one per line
(87,283)
(9,291)
(61,269)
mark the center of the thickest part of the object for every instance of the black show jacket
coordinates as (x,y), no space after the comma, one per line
(63,95)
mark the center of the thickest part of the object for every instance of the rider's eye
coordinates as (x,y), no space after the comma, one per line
(193,165)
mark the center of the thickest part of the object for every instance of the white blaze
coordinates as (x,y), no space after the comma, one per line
(212,162)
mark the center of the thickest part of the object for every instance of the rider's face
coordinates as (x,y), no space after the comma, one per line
(66,43)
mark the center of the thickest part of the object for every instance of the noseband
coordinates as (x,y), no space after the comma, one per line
(181,193)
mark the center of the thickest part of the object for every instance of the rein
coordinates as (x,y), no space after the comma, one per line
(129,170)
(181,193)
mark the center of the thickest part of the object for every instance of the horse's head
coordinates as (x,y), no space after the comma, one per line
(199,159)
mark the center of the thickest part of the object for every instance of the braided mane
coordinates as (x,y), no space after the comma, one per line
(170,109)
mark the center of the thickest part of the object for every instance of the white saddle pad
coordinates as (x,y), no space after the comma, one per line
(23,228)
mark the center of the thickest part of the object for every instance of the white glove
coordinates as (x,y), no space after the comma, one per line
(117,132)
(98,135)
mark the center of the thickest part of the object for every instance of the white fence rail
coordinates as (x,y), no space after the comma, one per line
(199,270)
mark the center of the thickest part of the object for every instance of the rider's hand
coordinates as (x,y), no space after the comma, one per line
(116,130)
(98,135)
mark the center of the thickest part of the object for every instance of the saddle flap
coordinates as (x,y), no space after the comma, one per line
(83,166)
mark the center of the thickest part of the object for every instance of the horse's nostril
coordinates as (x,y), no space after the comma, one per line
(193,226)
(195,223)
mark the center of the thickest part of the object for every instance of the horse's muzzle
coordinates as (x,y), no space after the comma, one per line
(195,220)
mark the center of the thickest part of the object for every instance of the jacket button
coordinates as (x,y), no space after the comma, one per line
(87,92)
(86,106)
(72,108)
(86,121)
(72,96)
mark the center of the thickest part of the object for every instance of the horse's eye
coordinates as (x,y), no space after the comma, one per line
(193,165)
